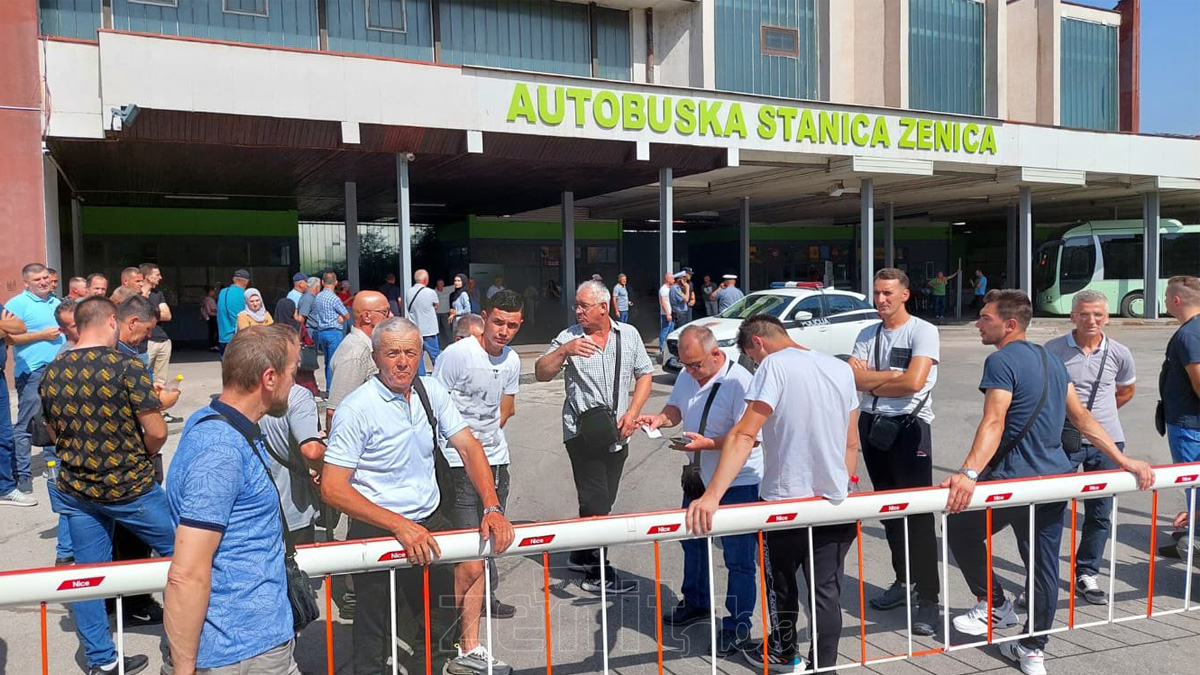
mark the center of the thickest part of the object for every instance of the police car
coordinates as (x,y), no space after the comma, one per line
(820,318)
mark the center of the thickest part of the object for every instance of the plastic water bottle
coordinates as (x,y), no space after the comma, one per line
(52,471)
(173,385)
(854,484)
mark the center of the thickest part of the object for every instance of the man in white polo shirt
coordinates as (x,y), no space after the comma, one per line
(1104,376)
(708,398)
(805,404)
(380,469)
(482,376)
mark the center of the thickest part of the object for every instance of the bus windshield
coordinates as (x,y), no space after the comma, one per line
(758,303)
(1047,265)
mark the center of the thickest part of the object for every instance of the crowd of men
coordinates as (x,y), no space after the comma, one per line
(405,455)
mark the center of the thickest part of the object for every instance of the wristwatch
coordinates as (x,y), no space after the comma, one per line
(971,474)
(494,509)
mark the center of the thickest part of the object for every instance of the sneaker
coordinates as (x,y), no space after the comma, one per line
(728,642)
(64,561)
(171,419)
(25,485)
(1086,586)
(1171,551)
(776,662)
(894,596)
(347,606)
(475,662)
(581,563)
(133,666)
(974,622)
(926,620)
(683,615)
(148,613)
(1031,661)
(500,610)
(18,497)
(612,584)
(1022,601)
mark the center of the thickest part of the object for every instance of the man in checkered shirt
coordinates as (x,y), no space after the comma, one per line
(587,354)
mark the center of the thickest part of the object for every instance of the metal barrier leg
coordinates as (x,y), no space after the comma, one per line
(1187,584)
(428,627)
(120,635)
(1153,551)
(812,589)
(862,605)
(908,587)
(1112,563)
(487,608)
(762,562)
(45,644)
(712,606)
(604,608)
(658,606)
(1071,578)
(946,580)
(546,582)
(392,615)
(988,527)
(329,623)
(1030,600)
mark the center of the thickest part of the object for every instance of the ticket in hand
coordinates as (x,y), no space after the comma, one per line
(652,433)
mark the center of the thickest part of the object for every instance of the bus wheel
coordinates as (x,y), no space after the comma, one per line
(1132,307)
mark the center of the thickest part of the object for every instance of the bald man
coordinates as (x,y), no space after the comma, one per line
(420,306)
(352,364)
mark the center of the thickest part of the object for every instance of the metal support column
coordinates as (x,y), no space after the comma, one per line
(77,238)
(744,237)
(666,222)
(352,236)
(866,228)
(889,235)
(1025,240)
(1151,253)
(1011,268)
(405,216)
(568,254)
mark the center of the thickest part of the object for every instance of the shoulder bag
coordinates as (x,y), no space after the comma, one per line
(690,480)
(300,593)
(1072,440)
(598,426)
(441,467)
(1008,447)
(886,429)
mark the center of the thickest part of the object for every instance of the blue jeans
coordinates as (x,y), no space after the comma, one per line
(1185,447)
(148,517)
(28,403)
(63,547)
(8,455)
(739,560)
(327,340)
(624,316)
(432,348)
(1097,513)
(939,306)
(665,327)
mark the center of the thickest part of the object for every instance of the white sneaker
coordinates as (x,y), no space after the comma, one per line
(974,622)
(17,498)
(1031,661)
(475,662)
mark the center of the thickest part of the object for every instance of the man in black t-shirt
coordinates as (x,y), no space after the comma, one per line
(158,347)
(1177,387)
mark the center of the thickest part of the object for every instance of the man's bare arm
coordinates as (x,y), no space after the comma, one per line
(185,598)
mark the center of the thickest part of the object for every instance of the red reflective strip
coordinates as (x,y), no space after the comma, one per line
(1190,478)
(536,541)
(782,518)
(658,607)
(893,508)
(393,555)
(329,624)
(1071,579)
(546,581)
(45,644)
(862,606)
(428,642)
(1153,552)
(73,584)
(1001,497)
(664,529)
(989,576)
(766,627)
(1094,487)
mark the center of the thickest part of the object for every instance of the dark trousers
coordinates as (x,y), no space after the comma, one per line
(597,474)
(968,542)
(1097,513)
(907,465)
(372,618)
(786,552)
(212,331)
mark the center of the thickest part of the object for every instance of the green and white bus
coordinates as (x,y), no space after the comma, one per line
(1106,256)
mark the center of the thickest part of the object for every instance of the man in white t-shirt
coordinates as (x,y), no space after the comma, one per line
(421,305)
(666,319)
(708,398)
(482,376)
(895,366)
(806,407)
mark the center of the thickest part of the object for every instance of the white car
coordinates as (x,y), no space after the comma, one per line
(824,319)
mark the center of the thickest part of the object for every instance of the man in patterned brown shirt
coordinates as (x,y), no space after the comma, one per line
(104,414)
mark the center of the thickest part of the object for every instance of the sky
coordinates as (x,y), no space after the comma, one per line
(1170,65)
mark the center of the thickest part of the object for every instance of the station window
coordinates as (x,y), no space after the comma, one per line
(247,7)
(387,15)
(1179,253)
(778,41)
(156,3)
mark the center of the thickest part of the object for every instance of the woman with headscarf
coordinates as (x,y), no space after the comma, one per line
(460,300)
(256,313)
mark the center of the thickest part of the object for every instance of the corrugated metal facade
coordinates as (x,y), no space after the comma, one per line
(945,56)
(1090,76)
(740,62)
(550,37)
(613,51)
(289,23)
(348,31)
(77,19)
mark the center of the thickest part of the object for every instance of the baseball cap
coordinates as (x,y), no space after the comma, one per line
(241,273)
(298,277)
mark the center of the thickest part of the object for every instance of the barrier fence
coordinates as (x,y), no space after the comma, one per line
(39,587)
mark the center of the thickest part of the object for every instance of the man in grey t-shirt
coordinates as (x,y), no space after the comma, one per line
(620,300)
(420,306)
(895,366)
(294,446)
(1103,373)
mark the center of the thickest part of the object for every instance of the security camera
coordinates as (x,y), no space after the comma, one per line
(124,116)
(409,156)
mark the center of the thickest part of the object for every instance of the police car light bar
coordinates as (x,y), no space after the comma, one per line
(797,284)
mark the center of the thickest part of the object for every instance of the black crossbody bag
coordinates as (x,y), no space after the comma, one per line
(598,426)
(689,480)
(1006,448)
(300,593)
(441,467)
(1072,440)
(886,429)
